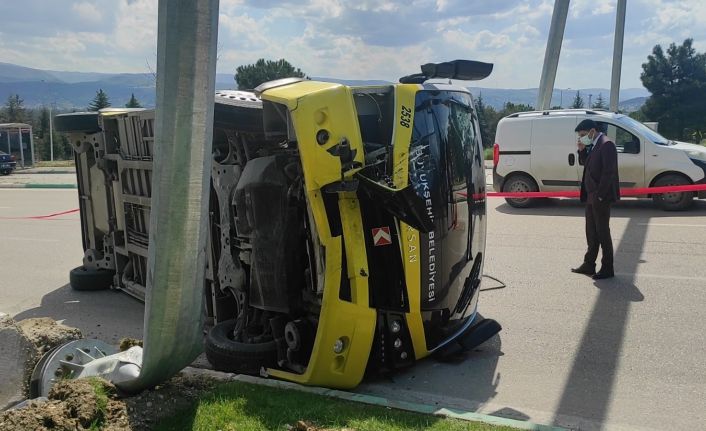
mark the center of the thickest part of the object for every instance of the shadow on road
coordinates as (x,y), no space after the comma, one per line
(427,382)
(589,388)
(108,315)
(626,208)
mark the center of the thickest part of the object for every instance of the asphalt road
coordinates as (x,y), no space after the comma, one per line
(627,353)
(36,257)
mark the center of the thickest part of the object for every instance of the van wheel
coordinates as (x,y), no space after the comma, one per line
(226,354)
(520,184)
(673,201)
(82,278)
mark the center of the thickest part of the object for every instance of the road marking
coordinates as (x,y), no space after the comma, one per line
(671,224)
(30,239)
(660,276)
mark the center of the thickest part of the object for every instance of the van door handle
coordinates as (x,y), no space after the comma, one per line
(572,159)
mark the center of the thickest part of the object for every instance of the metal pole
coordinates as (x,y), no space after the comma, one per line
(617,55)
(51,137)
(31,144)
(551,56)
(22,151)
(186,71)
(9,149)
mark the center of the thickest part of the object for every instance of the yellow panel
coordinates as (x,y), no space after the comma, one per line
(314,107)
(331,108)
(402,137)
(290,94)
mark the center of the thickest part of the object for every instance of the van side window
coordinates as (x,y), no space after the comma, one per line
(625,142)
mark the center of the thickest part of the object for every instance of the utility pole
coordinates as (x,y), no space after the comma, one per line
(22,150)
(551,56)
(51,137)
(187,36)
(617,55)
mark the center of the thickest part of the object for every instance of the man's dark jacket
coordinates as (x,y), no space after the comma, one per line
(600,172)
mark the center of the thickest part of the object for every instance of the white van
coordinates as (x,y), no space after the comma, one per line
(536,151)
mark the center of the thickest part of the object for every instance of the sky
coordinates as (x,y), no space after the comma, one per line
(361,39)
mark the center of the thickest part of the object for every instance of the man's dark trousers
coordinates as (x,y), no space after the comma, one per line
(600,187)
(598,233)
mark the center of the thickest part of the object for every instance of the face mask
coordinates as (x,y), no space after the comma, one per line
(585,140)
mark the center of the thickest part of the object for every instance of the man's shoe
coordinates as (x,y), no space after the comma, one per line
(585,268)
(604,273)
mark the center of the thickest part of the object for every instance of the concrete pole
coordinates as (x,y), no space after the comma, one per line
(22,151)
(51,137)
(176,266)
(551,56)
(617,55)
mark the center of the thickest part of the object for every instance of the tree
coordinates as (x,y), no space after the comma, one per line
(100,101)
(484,112)
(677,83)
(251,75)
(600,102)
(14,111)
(578,101)
(493,116)
(133,102)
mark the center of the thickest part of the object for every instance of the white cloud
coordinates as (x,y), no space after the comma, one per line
(87,11)
(581,8)
(482,40)
(359,40)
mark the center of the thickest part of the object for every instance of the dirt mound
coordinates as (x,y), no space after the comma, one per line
(93,403)
(126,343)
(46,333)
(145,408)
(17,353)
(73,405)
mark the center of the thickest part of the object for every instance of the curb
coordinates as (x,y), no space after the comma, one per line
(47,172)
(378,401)
(38,186)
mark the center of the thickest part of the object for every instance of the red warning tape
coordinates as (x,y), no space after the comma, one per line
(563,194)
(576,193)
(42,217)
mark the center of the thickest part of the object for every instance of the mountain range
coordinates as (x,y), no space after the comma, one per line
(75,90)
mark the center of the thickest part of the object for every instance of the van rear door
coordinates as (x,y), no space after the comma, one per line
(554,159)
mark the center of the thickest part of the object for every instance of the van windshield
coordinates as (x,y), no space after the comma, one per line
(644,130)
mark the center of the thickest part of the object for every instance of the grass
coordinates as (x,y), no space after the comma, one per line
(101,392)
(244,407)
(488,152)
(55,164)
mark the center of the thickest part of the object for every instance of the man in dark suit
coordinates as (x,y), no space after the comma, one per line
(600,187)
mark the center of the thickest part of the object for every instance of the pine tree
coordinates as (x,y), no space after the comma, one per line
(600,102)
(676,79)
(100,101)
(133,103)
(14,110)
(578,101)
